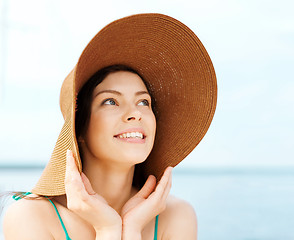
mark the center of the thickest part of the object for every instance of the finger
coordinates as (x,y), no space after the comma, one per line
(71,171)
(168,187)
(73,181)
(148,187)
(87,184)
(160,188)
(70,163)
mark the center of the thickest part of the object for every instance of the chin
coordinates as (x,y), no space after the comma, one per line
(133,158)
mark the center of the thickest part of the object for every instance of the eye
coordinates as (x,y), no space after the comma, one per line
(144,102)
(109,101)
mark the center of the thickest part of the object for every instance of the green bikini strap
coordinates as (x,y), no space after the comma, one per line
(62,224)
(20,196)
(156,227)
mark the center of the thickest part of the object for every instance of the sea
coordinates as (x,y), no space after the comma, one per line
(230,203)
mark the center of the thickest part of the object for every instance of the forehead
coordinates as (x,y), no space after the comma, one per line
(122,81)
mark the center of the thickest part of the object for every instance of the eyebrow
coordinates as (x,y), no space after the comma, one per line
(119,93)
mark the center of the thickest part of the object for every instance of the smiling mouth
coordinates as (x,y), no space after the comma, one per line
(131,135)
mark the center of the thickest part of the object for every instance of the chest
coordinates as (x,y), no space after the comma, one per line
(79,229)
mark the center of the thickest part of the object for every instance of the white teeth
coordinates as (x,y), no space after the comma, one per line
(139,135)
(131,135)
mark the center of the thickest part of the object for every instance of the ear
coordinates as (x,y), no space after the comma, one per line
(81,139)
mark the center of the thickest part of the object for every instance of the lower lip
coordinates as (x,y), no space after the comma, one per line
(132,140)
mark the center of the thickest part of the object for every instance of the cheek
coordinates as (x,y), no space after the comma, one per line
(99,126)
(153,119)
(150,118)
(99,136)
(152,124)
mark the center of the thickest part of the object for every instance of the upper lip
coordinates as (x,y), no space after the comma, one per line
(129,130)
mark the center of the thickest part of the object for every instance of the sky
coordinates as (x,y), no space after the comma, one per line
(251,44)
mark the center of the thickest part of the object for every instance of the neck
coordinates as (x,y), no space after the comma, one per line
(112,182)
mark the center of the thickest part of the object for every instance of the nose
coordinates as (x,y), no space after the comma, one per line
(132,114)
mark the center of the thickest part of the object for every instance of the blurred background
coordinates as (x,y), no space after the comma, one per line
(240,178)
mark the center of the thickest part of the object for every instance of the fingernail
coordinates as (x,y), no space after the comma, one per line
(68,153)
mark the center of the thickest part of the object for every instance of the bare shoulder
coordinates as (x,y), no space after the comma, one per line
(178,220)
(25,219)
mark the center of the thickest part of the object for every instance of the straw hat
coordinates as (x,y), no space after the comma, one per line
(181,78)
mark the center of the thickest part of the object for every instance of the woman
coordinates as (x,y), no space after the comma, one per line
(139,100)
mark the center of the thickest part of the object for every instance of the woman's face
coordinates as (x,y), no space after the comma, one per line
(122,124)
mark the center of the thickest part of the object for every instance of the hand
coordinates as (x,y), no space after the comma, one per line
(146,204)
(85,202)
